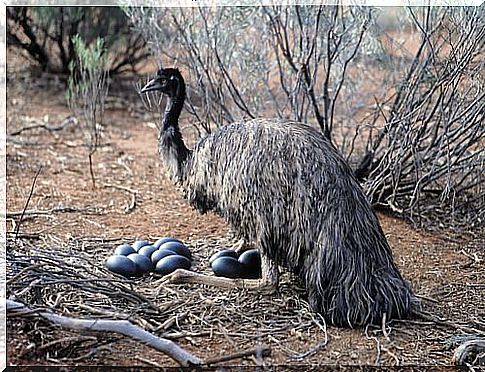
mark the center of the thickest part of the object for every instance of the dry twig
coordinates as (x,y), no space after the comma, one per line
(52,128)
(22,214)
(124,327)
(181,276)
(32,212)
(469,347)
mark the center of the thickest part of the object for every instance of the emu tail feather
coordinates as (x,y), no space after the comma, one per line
(354,301)
(351,277)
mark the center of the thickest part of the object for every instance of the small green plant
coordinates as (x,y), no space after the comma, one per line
(87,91)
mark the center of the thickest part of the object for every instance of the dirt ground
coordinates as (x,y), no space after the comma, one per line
(64,213)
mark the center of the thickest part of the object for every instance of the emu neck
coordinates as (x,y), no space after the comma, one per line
(171,145)
(172,111)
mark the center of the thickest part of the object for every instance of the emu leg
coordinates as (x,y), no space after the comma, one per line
(268,283)
(270,275)
(181,276)
(269,270)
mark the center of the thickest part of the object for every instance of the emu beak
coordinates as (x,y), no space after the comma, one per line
(153,84)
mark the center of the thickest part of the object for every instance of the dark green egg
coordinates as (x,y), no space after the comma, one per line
(178,248)
(161,253)
(171,263)
(251,261)
(223,253)
(164,240)
(143,263)
(228,267)
(139,243)
(121,265)
(124,250)
(147,250)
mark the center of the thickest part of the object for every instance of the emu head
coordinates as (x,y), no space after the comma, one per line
(168,81)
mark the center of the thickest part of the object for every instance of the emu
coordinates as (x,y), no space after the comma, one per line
(282,185)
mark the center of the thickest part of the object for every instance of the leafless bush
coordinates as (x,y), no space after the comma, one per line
(428,158)
(409,123)
(87,91)
(248,61)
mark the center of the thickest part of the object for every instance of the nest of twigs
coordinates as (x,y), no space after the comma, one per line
(71,281)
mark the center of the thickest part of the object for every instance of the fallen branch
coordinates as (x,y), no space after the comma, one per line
(22,214)
(149,362)
(65,340)
(47,211)
(181,356)
(432,319)
(52,128)
(463,351)
(32,236)
(426,298)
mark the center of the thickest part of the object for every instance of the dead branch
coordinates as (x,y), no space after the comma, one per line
(466,349)
(40,125)
(149,362)
(177,335)
(166,325)
(426,162)
(22,214)
(66,339)
(435,320)
(50,211)
(124,327)
(33,236)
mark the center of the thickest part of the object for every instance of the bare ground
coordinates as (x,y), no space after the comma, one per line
(66,215)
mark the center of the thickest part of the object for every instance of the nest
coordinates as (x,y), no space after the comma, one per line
(71,280)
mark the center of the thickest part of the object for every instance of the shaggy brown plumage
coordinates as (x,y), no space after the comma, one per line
(282,185)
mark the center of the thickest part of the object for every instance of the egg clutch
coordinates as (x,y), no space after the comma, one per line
(169,254)
(163,257)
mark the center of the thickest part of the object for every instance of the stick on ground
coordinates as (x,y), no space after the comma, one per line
(27,202)
(181,356)
(469,347)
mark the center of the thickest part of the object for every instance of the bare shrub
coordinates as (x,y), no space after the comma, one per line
(409,123)
(44,34)
(87,91)
(428,159)
(240,62)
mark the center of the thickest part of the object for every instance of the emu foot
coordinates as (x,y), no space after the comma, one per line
(181,276)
